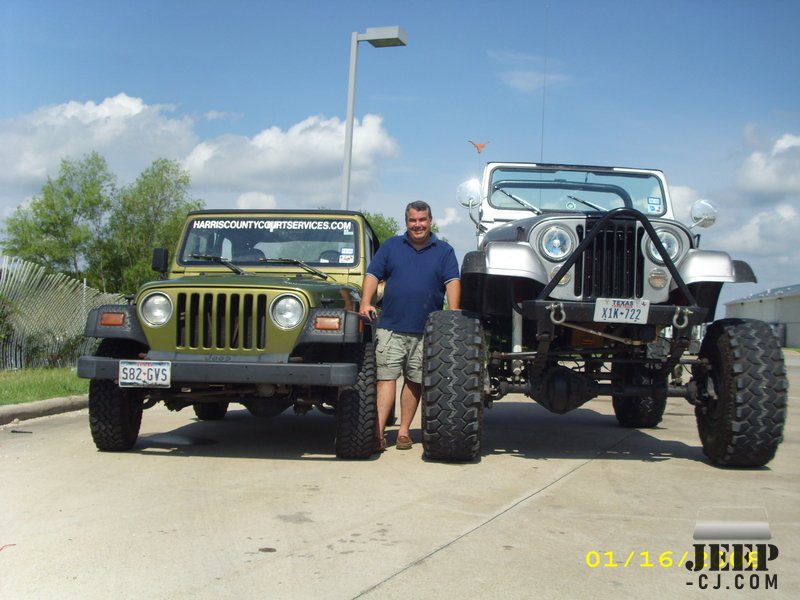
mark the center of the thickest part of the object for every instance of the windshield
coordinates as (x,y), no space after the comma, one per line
(544,190)
(248,240)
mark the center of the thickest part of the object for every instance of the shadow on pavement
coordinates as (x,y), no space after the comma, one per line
(525,430)
(531,431)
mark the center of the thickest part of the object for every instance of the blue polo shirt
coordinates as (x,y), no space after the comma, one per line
(415,281)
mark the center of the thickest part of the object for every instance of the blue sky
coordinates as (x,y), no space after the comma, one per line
(251,97)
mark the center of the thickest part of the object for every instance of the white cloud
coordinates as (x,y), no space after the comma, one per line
(528,81)
(451,216)
(127,132)
(766,233)
(526,73)
(774,171)
(682,199)
(255,200)
(301,166)
(220,115)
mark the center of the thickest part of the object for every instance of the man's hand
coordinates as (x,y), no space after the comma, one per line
(368,311)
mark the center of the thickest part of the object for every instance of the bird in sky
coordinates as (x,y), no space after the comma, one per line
(478,147)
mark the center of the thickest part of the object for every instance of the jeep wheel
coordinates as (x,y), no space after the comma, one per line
(210,411)
(115,413)
(743,393)
(452,395)
(638,411)
(356,409)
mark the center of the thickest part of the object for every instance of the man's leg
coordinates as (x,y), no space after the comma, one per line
(388,362)
(412,389)
(385,390)
(409,401)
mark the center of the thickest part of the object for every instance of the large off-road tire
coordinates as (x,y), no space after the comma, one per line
(356,409)
(640,412)
(210,411)
(743,394)
(453,374)
(115,413)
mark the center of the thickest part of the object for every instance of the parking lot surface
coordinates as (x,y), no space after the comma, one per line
(569,506)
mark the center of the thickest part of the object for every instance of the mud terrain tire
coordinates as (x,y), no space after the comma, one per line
(356,410)
(115,413)
(741,418)
(453,382)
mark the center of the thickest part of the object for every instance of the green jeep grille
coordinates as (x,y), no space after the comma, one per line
(222,320)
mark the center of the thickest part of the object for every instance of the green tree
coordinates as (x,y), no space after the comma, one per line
(384,227)
(149,214)
(58,228)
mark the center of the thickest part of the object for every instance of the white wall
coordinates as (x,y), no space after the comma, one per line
(773,309)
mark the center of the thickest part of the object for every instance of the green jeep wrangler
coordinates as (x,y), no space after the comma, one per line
(256,307)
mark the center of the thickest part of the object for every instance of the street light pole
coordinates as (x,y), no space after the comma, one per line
(379,37)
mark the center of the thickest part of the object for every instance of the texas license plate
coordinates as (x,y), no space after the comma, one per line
(621,310)
(144,373)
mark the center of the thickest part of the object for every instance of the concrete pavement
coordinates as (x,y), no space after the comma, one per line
(568,506)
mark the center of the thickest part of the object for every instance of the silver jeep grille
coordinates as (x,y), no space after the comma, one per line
(222,320)
(612,266)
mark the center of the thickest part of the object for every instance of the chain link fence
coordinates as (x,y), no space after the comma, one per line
(42,316)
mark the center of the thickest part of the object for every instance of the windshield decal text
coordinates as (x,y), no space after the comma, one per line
(273,224)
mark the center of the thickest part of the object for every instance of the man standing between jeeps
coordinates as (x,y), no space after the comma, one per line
(418,269)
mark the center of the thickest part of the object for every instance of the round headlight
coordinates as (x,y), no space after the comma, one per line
(287,311)
(156,309)
(671,244)
(556,243)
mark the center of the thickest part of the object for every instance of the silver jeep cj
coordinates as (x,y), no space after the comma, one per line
(585,284)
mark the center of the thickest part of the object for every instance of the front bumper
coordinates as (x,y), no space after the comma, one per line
(583,312)
(200,371)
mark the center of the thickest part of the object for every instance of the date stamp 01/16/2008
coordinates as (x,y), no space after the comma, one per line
(730,554)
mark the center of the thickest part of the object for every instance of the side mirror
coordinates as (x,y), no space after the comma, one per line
(704,213)
(468,193)
(160,262)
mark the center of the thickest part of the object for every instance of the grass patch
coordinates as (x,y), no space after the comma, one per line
(28,385)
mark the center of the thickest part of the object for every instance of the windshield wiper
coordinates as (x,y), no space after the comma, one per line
(299,263)
(221,260)
(520,201)
(587,203)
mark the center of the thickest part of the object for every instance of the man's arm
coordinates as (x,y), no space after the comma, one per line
(453,289)
(368,289)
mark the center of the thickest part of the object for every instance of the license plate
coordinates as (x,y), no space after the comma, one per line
(144,373)
(621,310)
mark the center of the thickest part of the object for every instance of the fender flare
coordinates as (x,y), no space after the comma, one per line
(714,266)
(508,259)
(130,329)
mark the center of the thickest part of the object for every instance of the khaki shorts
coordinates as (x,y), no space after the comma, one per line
(398,354)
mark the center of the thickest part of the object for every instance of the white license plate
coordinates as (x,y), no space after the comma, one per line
(621,310)
(144,373)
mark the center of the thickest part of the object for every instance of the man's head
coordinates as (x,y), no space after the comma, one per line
(419,220)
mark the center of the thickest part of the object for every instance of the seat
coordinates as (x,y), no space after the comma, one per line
(248,255)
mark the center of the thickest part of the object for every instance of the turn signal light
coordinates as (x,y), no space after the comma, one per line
(111,319)
(327,323)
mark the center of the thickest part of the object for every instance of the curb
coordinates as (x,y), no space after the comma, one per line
(42,408)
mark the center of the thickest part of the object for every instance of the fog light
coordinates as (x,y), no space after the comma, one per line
(658,279)
(565,279)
